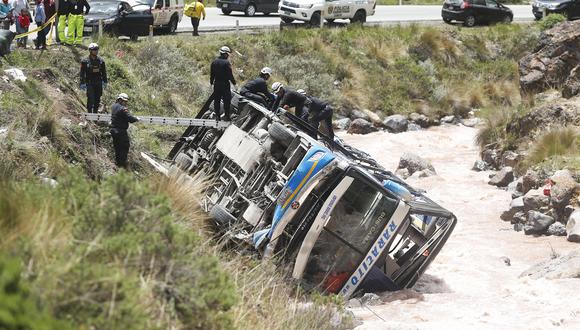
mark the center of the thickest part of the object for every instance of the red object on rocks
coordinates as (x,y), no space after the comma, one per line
(548,187)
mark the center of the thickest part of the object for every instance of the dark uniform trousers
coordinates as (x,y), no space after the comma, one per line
(324,116)
(94,93)
(255,97)
(195,24)
(222,93)
(121,144)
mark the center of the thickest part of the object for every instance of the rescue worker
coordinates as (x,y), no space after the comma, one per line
(257,89)
(76,21)
(62,11)
(93,78)
(220,77)
(287,98)
(199,12)
(120,119)
(321,111)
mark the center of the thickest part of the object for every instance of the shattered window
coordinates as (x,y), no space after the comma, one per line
(357,220)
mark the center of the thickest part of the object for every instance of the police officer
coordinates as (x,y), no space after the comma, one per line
(257,89)
(93,77)
(321,111)
(120,119)
(220,77)
(287,98)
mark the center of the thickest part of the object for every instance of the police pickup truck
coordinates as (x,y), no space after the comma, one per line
(313,11)
(341,222)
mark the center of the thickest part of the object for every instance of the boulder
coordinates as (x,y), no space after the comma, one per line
(423,174)
(573,227)
(552,62)
(510,158)
(490,157)
(357,114)
(414,163)
(556,229)
(396,123)
(420,119)
(451,119)
(373,117)
(530,181)
(537,223)
(471,122)
(572,84)
(535,199)
(403,173)
(503,177)
(516,205)
(564,188)
(520,217)
(412,127)
(479,166)
(343,123)
(567,266)
(361,126)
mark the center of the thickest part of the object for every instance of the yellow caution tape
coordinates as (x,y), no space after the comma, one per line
(50,21)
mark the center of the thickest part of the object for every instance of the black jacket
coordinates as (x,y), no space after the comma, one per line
(120,117)
(316,105)
(292,99)
(62,7)
(93,71)
(221,73)
(255,86)
(78,7)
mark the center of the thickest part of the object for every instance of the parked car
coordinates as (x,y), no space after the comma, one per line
(569,8)
(120,18)
(314,11)
(341,222)
(167,14)
(472,12)
(248,7)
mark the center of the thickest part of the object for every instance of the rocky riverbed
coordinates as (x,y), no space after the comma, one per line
(487,276)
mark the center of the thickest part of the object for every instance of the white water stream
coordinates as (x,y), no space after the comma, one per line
(469,286)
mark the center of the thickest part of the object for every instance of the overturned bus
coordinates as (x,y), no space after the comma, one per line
(341,222)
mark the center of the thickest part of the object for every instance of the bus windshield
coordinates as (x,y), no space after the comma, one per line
(354,225)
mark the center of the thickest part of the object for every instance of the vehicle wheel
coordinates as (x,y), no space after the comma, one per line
(134,37)
(281,134)
(221,216)
(250,10)
(226,11)
(287,20)
(266,13)
(207,139)
(315,19)
(469,21)
(330,20)
(359,17)
(183,161)
(173,24)
(447,20)
(507,19)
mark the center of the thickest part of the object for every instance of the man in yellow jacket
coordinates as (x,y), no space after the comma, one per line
(197,12)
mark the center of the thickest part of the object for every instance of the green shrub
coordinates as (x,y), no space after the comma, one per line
(551,20)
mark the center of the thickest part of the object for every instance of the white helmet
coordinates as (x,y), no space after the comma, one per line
(93,46)
(123,96)
(301,91)
(266,70)
(225,49)
(277,86)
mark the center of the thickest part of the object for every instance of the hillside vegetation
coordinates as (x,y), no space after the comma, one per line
(85,247)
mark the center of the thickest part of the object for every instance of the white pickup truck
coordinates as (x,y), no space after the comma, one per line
(313,11)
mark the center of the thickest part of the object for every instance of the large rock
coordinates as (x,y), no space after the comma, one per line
(510,158)
(572,84)
(537,223)
(490,157)
(343,123)
(503,177)
(357,114)
(567,266)
(516,205)
(563,189)
(414,163)
(556,229)
(551,63)
(573,227)
(535,199)
(373,117)
(479,166)
(361,126)
(420,119)
(396,123)
(530,181)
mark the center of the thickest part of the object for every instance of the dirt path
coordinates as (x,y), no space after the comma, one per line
(469,286)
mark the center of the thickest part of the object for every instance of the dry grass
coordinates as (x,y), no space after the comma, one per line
(563,142)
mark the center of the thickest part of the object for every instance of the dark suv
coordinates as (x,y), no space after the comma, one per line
(472,12)
(570,8)
(248,7)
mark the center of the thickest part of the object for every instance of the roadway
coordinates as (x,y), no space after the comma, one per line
(215,20)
